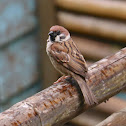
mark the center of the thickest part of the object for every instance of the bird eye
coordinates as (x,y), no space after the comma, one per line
(58,32)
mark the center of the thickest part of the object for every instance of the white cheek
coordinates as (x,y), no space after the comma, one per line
(49,39)
(57,38)
(48,46)
(67,37)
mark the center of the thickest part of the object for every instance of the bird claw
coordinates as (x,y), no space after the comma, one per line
(61,79)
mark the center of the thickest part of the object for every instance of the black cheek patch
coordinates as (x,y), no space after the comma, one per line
(62,37)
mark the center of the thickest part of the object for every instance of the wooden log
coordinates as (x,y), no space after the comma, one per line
(94,50)
(93,26)
(46,14)
(116,119)
(63,101)
(99,113)
(115,9)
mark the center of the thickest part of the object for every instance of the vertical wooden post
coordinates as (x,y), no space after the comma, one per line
(46,14)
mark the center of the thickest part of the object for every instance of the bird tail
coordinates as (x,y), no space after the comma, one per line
(89,97)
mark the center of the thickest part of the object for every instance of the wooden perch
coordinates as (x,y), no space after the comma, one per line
(99,113)
(93,26)
(115,9)
(63,101)
(116,119)
(94,50)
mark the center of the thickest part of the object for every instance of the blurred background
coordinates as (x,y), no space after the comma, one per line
(98,27)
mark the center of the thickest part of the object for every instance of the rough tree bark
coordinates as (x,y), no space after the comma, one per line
(99,113)
(116,119)
(61,102)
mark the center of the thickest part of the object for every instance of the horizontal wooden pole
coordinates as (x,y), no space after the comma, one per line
(99,113)
(94,50)
(63,101)
(116,119)
(93,26)
(108,8)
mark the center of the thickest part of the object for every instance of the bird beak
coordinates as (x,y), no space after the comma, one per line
(51,33)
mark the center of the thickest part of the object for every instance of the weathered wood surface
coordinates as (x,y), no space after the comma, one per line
(18,66)
(63,101)
(16,19)
(94,50)
(108,8)
(116,119)
(99,113)
(93,26)
(46,14)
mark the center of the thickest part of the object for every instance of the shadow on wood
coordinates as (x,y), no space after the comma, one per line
(63,101)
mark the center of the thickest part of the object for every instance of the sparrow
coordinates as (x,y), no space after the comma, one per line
(68,60)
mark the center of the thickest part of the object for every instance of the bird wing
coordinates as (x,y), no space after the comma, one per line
(69,57)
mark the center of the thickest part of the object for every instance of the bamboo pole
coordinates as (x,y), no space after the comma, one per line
(116,119)
(94,50)
(115,9)
(63,101)
(93,26)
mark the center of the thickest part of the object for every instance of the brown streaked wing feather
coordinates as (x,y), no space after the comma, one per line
(68,55)
(59,53)
(77,63)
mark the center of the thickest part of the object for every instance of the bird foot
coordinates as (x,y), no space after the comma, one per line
(61,79)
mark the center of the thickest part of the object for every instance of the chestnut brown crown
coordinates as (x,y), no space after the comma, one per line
(58,33)
(59,28)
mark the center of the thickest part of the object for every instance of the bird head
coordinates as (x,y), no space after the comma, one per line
(58,34)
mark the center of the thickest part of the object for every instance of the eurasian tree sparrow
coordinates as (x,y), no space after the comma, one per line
(68,60)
